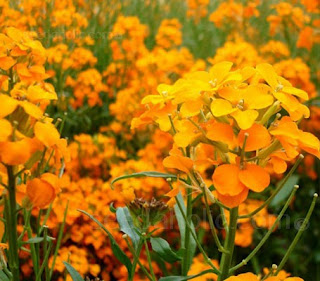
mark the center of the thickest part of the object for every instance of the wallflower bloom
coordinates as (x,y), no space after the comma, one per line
(230,110)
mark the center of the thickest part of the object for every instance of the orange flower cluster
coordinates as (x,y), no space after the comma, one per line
(27,135)
(231,111)
(197,9)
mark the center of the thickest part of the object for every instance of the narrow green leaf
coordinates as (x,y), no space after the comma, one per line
(119,254)
(126,225)
(73,273)
(112,208)
(182,227)
(285,190)
(163,249)
(3,276)
(33,240)
(151,174)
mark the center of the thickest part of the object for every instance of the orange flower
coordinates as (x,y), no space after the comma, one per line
(243,277)
(177,161)
(42,192)
(18,152)
(232,183)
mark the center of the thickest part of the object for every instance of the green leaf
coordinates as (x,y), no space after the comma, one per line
(3,276)
(33,240)
(119,254)
(74,274)
(112,208)
(182,228)
(162,248)
(151,174)
(183,278)
(126,225)
(285,190)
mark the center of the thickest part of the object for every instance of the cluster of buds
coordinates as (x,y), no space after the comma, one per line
(145,213)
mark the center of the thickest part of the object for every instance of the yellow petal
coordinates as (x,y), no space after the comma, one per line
(296,92)
(191,108)
(8,105)
(268,74)
(5,129)
(220,107)
(220,70)
(245,119)
(36,93)
(257,97)
(47,133)
(31,109)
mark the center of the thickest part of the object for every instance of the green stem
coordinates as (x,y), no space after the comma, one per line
(300,231)
(149,260)
(56,251)
(265,238)
(185,262)
(212,227)
(136,259)
(206,258)
(226,258)
(12,225)
(32,246)
(132,250)
(44,263)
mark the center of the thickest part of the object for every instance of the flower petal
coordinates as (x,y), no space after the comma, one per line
(245,119)
(220,107)
(47,133)
(226,180)
(258,138)
(254,177)
(233,201)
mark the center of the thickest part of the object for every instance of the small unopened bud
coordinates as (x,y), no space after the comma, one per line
(274,266)
(315,195)
(125,236)
(296,186)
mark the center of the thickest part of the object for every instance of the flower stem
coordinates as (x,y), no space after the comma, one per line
(149,259)
(12,225)
(226,258)
(185,262)
(300,231)
(207,260)
(272,228)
